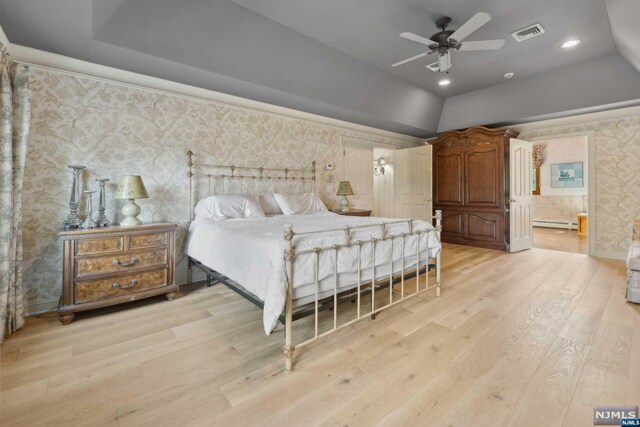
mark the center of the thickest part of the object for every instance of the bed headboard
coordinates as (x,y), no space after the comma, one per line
(257,180)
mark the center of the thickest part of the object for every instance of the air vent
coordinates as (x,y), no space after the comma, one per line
(433,67)
(528,32)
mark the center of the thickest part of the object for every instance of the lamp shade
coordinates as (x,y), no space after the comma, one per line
(344,189)
(131,187)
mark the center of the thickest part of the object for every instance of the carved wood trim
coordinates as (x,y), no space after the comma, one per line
(478,135)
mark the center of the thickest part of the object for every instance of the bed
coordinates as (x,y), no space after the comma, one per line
(298,265)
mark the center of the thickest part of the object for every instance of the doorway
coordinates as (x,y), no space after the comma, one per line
(391,182)
(560,207)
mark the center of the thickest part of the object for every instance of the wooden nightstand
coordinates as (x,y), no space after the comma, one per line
(354,212)
(113,265)
(582,224)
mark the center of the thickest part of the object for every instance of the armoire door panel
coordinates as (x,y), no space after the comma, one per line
(486,227)
(450,175)
(452,224)
(471,176)
(482,184)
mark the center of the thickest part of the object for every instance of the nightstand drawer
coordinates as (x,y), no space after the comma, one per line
(147,240)
(115,265)
(94,290)
(119,263)
(100,245)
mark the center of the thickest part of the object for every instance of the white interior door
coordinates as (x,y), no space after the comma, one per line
(413,170)
(521,219)
(384,193)
(358,161)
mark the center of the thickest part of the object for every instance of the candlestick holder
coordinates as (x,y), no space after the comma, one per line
(73,219)
(102,220)
(88,221)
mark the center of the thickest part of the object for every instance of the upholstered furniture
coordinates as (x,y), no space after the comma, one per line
(633,264)
(471,186)
(113,265)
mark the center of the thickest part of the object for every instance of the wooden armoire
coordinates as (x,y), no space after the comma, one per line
(471,186)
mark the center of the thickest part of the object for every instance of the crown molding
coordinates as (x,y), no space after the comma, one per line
(593,118)
(60,63)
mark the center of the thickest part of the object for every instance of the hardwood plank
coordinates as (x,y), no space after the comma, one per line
(633,383)
(545,400)
(559,240)
(611,348)
(462,313)
(487,400)
(596,387)
(513,336)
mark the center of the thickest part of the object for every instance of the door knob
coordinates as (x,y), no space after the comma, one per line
(512,200)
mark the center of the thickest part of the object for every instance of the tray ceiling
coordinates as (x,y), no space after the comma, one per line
(334,57)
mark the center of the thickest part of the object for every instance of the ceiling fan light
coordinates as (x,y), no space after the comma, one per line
(570,43)
(444,82)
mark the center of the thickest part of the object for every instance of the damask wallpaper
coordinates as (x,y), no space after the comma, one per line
(617,172)
(116,130)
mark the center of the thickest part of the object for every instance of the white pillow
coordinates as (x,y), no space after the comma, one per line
(226,206)
(269,204)
(299,203)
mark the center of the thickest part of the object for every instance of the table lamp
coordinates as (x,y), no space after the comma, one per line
(344,190)
(131,187)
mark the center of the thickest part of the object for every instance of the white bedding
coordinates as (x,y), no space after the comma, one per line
(251,252)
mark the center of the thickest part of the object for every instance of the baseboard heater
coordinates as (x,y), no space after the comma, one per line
(555,224)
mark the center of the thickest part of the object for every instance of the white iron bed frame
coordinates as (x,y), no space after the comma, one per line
(379,282)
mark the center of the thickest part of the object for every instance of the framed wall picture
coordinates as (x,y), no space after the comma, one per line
(567,175)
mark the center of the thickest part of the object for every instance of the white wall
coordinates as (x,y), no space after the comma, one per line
(384,185)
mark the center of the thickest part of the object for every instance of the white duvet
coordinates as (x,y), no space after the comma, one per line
(251,253)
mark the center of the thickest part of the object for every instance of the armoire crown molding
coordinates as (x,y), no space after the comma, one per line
(60,63)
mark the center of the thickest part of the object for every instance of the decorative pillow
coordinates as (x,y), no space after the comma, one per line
(226,206)
(299,203)
(269,204)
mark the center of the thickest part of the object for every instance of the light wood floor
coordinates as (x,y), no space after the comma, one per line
(535,338)
(559,240)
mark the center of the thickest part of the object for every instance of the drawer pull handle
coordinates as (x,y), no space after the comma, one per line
(118,263)
(118,285)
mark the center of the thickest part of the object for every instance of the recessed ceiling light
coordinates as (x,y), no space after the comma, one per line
(444,82)
(509,75)
(570,43)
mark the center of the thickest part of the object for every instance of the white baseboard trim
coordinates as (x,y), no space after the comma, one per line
(40,307)
(553,224)
(612,255)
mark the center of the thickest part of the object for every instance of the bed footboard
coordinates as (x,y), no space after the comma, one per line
(391,277)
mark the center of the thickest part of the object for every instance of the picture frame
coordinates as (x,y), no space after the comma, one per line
(567,175)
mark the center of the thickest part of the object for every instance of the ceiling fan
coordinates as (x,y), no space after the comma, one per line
(442,42)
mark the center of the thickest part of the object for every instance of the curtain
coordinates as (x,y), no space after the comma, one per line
(15,105)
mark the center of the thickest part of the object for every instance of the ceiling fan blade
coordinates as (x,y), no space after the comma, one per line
(410,59)
(481,45)
(477,21)
(433,67)
(444,62)
(416,38)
